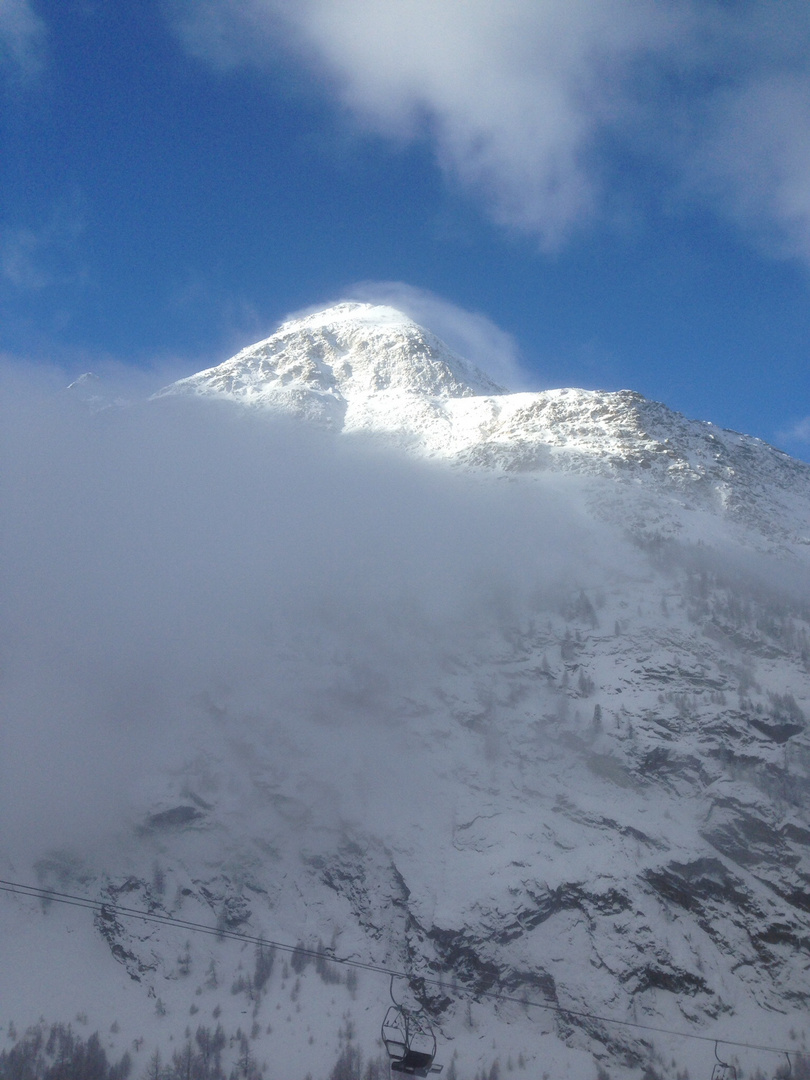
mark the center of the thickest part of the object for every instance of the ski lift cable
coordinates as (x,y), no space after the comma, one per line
(106,910)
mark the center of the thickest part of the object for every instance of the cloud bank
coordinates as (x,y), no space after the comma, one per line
(553,111)
(199,596)
(179,576)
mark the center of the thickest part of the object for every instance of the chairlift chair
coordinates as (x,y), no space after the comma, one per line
(409,1040)
(722,1070)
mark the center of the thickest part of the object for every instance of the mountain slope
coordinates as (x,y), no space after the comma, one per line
(533,725)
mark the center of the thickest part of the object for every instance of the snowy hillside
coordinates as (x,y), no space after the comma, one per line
(532,725)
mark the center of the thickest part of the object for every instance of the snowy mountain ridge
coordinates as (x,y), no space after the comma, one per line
(369,370)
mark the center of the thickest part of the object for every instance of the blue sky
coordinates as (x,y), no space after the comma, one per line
(604,193)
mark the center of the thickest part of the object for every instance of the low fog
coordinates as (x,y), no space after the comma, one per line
(174,566)
(192,587)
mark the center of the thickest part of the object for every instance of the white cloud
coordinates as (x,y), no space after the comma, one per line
(19,262)
(175,561)
(755,158)
(224,34)
(514,94)
(526,101)
(34,258)
(22,34)
(799,432)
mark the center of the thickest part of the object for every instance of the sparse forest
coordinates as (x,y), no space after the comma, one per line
(56,1052)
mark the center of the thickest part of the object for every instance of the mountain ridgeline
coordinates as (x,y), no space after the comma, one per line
(507,692)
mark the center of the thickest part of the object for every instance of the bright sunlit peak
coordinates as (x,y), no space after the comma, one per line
(350,311)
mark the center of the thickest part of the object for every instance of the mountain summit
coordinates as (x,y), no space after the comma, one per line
(328,366)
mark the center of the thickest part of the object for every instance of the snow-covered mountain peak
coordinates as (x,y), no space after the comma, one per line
(318,366)
(353,311)
(370,370)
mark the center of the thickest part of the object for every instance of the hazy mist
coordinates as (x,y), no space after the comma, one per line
(175,566)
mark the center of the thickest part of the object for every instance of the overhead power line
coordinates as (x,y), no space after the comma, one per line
(108,910)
